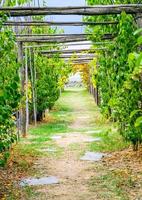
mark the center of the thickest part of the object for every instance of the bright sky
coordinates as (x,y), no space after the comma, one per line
(78,46)
(65,18)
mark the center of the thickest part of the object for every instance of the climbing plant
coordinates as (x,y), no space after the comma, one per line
(14,2)
(51,76)
(127,102)
(9,87)
(118,74)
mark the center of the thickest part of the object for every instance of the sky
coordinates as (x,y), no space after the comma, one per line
(70,29)
(66,18)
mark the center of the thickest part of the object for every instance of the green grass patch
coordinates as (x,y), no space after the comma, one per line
(110,141)
(49,129)
(112,184)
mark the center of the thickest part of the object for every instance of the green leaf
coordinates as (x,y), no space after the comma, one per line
(139,41)
(138,122)
(134,112)
(138,31)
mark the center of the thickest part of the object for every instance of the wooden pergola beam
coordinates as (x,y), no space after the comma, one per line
(56,39)
(54,35)
(79,62)
(85,56)
(47,23)
(78,59)
(60,45)
(71,51)
(83,10)
(68,44)
(51,40)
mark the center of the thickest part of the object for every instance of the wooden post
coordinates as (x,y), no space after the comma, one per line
(26,92)
(33,78)
(22,112)
(97,96)
(139,20)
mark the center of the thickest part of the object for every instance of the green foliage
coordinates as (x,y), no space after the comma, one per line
(15,2)
(105,2)
(119,75)
(51,73)
(9,88)
(47,83)
(111,141)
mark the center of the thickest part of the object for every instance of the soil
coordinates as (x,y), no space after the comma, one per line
(73,174)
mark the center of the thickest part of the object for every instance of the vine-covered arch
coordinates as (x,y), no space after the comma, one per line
(115,77)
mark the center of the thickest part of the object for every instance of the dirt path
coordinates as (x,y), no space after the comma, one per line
(73,174)
(75,120)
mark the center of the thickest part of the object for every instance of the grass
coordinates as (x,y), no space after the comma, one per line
(57,123)
(112,184)
(111,141)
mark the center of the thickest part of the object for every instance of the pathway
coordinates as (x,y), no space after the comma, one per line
(73,173)
(55,148)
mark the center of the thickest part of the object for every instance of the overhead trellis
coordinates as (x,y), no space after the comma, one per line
(71,51)
(48,23)
(80,62)
(75,59)
(61,38)
(66,44)
(83,10)
(91,55)
(53,35)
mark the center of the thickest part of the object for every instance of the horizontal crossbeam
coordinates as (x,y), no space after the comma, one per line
(46,23)
(60,39)
(84,56)
(80,62)
(68,44)
(78,59)
(53,35)
(87,10)
(71,51)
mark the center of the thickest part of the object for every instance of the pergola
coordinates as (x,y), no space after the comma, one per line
(63,39)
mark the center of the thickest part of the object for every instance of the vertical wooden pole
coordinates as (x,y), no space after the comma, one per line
(32,71)
(139,20)
(22,112)
(35,78)
(26,92)
(97,97)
